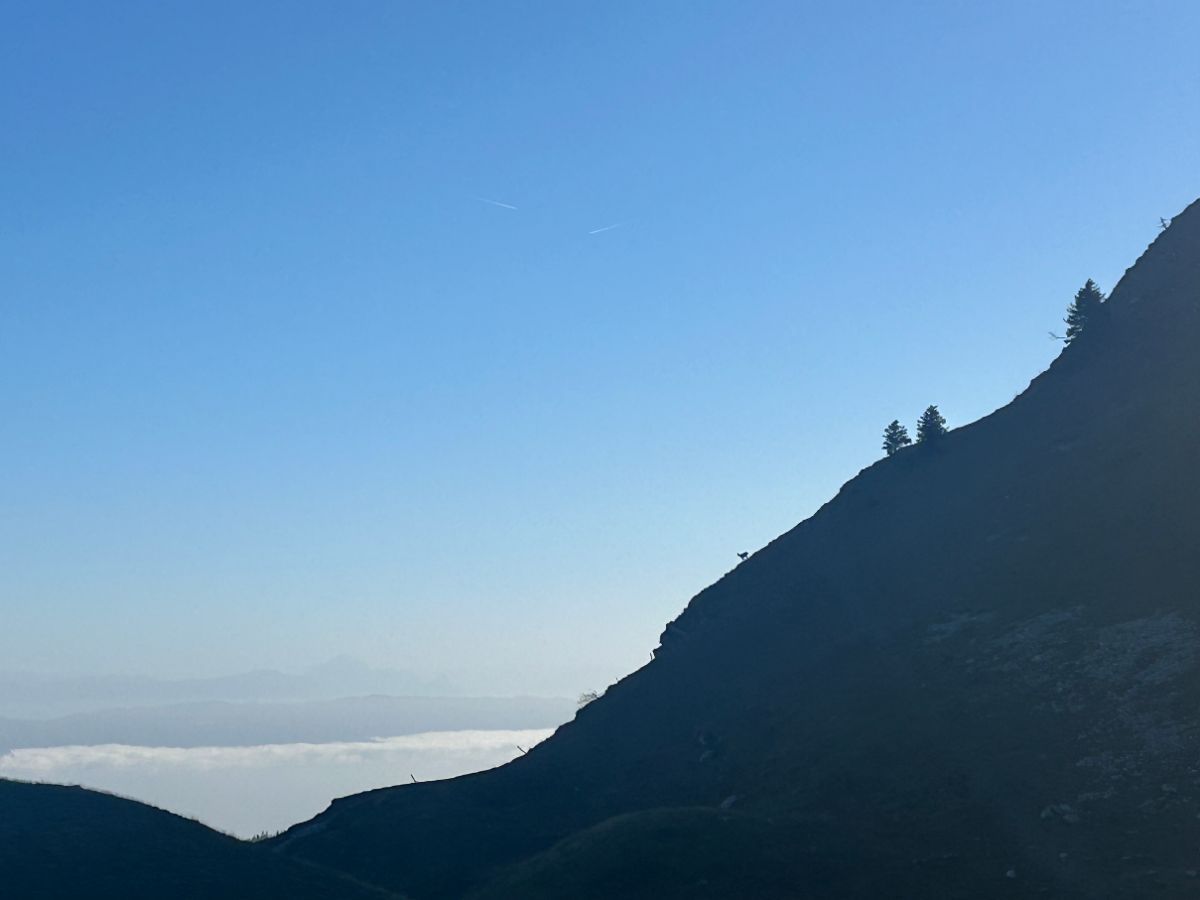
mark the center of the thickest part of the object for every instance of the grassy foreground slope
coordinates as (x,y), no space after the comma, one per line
(67,843)
(975,672)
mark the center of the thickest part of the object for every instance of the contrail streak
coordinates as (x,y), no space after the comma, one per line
(605,228)
(496,203)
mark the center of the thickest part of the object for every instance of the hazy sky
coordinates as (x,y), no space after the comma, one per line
(279,380)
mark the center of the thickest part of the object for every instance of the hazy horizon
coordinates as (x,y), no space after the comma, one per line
(47,695)
(777,415)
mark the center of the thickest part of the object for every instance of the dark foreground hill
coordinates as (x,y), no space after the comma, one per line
(973,673)
(66,843)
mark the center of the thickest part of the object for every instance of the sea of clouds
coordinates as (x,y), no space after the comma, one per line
(251,790)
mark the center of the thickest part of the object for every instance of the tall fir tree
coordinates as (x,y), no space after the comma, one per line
(895,437)
(1085,309)
(931,426)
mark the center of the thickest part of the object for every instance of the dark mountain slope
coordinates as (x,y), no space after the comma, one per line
(972,673)
(66,843)
(695,852)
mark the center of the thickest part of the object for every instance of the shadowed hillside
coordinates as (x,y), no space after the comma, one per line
(66,842)
(972,673)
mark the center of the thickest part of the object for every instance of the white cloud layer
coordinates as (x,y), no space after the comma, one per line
(249,790)
(43,761)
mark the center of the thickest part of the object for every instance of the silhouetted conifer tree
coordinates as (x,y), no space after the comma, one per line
(1085,308)
(931,426)
(895,437)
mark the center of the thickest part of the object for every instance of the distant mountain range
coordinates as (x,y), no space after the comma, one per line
(28,695)
(226,724)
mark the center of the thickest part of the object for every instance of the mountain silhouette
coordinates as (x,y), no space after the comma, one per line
(972,673)
(975,672)
(67,842)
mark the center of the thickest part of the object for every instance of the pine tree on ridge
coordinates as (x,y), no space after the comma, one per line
(895,437)
(1084,309)
(931,426)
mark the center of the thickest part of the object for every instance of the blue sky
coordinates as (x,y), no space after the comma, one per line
(279,385)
